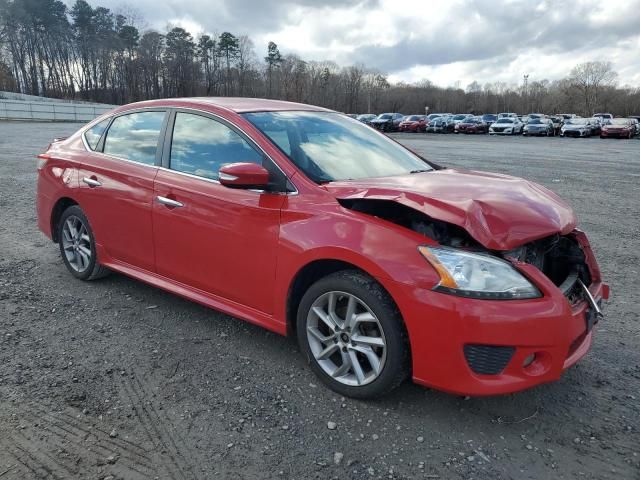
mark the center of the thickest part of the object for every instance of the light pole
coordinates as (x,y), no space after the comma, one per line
(525,85)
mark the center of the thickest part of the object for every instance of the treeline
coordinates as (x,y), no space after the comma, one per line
(96,54)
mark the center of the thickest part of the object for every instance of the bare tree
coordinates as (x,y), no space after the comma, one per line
(589,79)
(245,62)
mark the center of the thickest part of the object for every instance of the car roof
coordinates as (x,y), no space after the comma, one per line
(234,104)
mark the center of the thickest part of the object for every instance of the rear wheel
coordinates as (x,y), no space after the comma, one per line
(77,245)
(352,335)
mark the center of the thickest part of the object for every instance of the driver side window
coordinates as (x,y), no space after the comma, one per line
(201,145)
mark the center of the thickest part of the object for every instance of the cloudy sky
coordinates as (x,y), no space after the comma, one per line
(444,41)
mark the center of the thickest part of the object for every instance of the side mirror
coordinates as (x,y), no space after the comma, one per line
(244,175)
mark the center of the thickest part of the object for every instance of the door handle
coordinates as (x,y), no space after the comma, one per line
(169,202)
(91,182)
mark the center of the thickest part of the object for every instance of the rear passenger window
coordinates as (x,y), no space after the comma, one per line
(92,136)
(201,145)
(135,136)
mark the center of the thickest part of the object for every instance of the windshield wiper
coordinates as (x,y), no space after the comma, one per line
(420,171)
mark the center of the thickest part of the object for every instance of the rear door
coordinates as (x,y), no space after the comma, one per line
(217,239)
(117,186)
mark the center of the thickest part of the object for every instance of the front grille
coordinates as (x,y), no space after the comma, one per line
(488,359)
(498,129)
(561,259)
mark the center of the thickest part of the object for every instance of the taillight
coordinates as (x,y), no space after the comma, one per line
(42,160)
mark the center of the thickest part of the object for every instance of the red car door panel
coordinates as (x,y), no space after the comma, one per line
(116,195)
(221,240)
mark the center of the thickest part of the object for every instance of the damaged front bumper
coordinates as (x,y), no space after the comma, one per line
(488,347)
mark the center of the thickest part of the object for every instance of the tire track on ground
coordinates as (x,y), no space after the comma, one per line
(31,462)
(76,433)
(154,426)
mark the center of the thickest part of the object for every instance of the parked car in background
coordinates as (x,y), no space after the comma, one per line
(461,117)
(443,124)
(489,118)
(636,121)
(507,115)
(576,127)
(506,126)
(366,118)
(537,126)
(387,122)
(557,121)
(472,125)
(413,123)
(596,124)
(619,128)
(352,115)
(566,116)
(385,266)
(431,116)
(607,116)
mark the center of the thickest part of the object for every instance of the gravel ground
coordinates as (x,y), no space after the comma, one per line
(115,379)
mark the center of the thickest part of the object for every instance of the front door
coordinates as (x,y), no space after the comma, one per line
(217,239)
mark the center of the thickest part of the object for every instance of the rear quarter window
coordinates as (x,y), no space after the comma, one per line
(93,135)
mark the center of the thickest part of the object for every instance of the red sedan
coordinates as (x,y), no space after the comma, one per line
(413,123)
(309,223)
(619,128)
(472,125)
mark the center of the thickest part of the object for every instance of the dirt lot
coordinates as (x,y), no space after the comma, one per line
(115,379)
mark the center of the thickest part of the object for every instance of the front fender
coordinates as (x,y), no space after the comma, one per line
(385,251)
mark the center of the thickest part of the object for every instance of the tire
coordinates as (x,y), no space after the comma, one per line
(382,323)
(79,252)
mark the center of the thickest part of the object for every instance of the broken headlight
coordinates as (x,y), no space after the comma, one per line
(477,275)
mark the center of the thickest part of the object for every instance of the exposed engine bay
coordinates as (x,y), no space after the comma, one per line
(560,258)
(442,232)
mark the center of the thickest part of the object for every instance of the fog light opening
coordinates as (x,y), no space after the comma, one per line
(529,360)
(537,363)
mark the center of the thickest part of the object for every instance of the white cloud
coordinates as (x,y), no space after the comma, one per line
(445,41)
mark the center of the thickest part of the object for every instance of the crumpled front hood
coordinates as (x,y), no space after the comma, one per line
(499,211)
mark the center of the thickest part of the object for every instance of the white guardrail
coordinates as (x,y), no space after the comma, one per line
(49,110)
(35,98)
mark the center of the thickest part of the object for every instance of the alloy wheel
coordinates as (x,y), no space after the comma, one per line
(76,244)
(346,338)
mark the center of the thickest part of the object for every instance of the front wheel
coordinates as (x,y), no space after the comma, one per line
(78,246)
(352,335)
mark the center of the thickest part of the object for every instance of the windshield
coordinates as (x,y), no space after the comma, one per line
(459,117)
(505,120)
(329,146)
(577,121)
(385,116)
(534,121)
(412,118)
